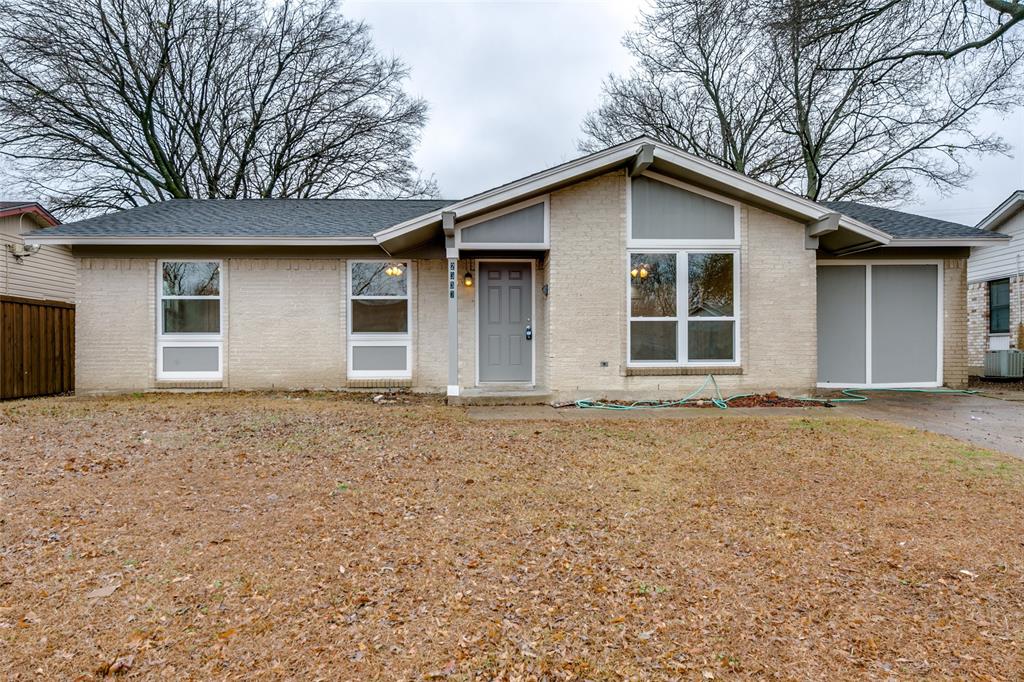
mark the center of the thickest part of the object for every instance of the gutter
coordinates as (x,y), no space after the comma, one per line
(37,238)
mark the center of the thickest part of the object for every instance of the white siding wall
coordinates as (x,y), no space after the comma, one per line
(999,261)
(48,274)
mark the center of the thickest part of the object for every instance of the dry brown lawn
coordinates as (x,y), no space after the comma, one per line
(321,537)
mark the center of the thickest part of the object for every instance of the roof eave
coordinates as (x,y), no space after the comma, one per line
(73,240)
(1003,211)
(948,241)
(619,155)
(34,209)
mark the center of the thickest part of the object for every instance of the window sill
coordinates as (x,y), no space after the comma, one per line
(682,371)
(172,383)
(379,383)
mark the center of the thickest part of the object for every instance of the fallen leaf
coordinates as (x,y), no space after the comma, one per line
(101,592)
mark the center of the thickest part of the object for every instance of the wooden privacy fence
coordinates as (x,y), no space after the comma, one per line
(37,347)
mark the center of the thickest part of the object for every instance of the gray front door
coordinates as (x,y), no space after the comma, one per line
(506,322)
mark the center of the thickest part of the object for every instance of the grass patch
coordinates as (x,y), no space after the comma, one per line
(823,548)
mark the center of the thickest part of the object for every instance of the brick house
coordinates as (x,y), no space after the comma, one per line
(995,284)
(631,272)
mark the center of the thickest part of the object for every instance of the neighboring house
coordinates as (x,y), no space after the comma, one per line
(37,294)
(631,272)
(47,275)
(995,284)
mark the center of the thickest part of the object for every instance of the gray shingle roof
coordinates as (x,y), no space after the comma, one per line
(325,218)
(906,225)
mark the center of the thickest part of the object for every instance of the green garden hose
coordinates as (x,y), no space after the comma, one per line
(853,395)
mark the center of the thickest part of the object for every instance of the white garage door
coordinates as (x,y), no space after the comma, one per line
(879,324)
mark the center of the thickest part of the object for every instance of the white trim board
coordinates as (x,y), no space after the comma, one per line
(631,242)
(616,156)
(505,246)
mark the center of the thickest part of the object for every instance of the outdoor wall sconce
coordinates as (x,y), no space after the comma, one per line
(467,279)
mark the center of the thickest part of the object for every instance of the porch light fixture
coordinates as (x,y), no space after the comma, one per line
(640,271)
(467,279)
(394,270)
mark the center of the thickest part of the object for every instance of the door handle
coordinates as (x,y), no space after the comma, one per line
(529,333)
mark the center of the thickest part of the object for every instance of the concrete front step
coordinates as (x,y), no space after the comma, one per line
(501,397)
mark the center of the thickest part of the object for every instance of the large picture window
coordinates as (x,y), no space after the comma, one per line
(189,342)
(999,307)
(379,319)
(682,308)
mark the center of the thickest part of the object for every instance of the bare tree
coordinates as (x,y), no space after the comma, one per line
(696,86)
(927,28)
(113,103)
(813,126)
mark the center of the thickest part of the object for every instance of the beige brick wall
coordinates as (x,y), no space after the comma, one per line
(115,337)
(587,305)
(286,322)
(954,323)
(430,337)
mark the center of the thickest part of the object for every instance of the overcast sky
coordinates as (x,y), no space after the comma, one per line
(509,84)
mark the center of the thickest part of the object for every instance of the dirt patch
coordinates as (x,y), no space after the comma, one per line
(982,384)
(755,400)
(311,536)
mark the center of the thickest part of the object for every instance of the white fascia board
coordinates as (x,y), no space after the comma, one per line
(865,230)
(544,180)
(536,183)
(1003,211)
(947,241)
(200,241)
(768,194)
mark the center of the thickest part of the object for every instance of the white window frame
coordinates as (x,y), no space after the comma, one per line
(682,317)
(653,245)
(497,246)
(189,339)
(380,339)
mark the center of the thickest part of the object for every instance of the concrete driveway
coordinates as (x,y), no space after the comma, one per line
(996,423)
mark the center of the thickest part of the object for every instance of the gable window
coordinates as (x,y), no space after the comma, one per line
(379,339)
(682,307)
(999,306)
(664,212)
(189,312)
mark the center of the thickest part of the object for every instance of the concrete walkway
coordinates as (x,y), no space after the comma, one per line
(996,423)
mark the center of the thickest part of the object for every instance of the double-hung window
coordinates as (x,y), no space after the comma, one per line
(682,275)
(380,319)
(189,336)
(999,306)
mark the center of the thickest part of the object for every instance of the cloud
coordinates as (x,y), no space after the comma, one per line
(509,84)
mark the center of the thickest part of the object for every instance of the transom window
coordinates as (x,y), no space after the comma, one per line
(999,306)
(682,307)
(379,343)
(189,341)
